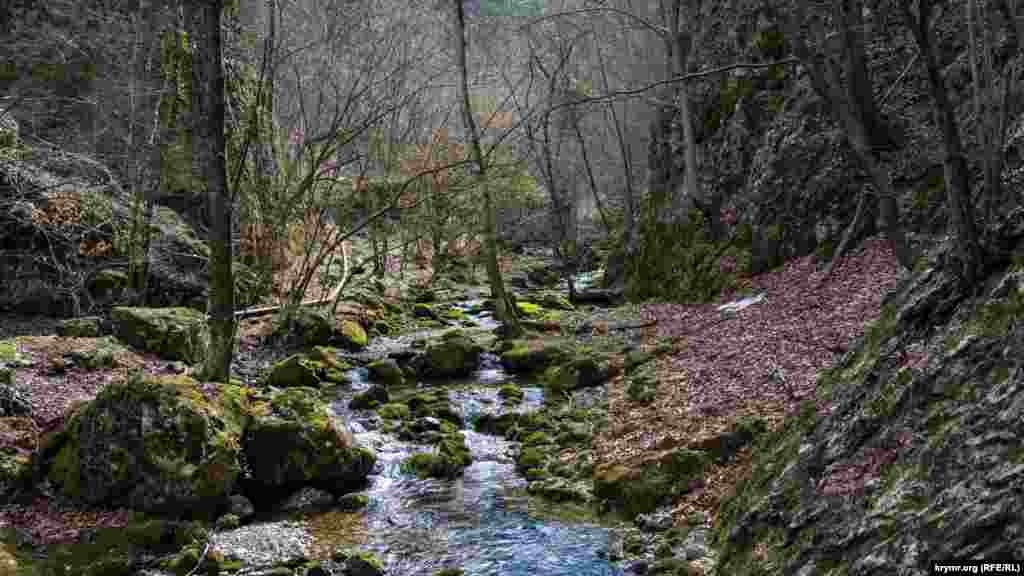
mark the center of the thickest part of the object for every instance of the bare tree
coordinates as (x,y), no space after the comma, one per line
(958,189)
(852,105)
(505,311)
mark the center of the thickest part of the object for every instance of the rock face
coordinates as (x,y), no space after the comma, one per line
(161,445)
(171,333)
(293,441)
(919,459)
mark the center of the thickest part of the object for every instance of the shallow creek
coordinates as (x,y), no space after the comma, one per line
(483,522)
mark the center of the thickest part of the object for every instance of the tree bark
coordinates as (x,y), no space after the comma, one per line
(208,166)
(505,311)
(958,190)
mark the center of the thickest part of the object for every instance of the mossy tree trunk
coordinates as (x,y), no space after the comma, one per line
(208,165)
(504,309)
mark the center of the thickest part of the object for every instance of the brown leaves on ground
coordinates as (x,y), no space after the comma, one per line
(760,361)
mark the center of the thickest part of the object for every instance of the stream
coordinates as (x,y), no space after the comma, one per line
(483,522)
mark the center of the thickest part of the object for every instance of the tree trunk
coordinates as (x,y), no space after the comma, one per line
(958,190)
(208,167)
(505,311)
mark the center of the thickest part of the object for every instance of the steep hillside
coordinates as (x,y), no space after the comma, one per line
(919,458)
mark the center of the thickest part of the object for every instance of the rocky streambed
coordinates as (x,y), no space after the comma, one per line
(482,520)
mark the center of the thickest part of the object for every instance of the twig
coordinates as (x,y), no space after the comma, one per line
(202,557)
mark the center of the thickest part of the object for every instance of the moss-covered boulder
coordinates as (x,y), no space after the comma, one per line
(351,335)
(448,460)
(453,357)
(387,372)
(85,327)
(370,398)
(158,444)
(294,441)
(171,333)
(640,489)
(584,372)
(528,309)
(295,371)
(434,403)
(421,310)
(511,393)
(394,411)
(533,355)
(305,325)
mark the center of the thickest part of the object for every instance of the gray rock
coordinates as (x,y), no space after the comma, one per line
(241,506)
(306,498)
(658,521)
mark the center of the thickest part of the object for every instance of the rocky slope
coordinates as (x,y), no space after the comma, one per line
(917,457)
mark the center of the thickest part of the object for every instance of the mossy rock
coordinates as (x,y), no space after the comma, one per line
(298,443)
(450,572)
(305,325)
(421,310)
(371,398)
(533,356)
(387,372)
(448,460)
(364,563)
(328,356)
(530,458)
(528,309)
(353,502)
(511,393)
(632,490)
(156,444)
(171,333)
(499,425)
(536,439)
(394,411)
(560,490)
(352,335)
(8,352)
(583,372)
(295,371)
(434,403)
(455,314)
(85,327)
(452,358)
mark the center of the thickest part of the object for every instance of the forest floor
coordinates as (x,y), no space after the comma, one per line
(721,366)
(720,369)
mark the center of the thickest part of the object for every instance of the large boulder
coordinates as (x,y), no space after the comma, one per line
(532,355)
(171,333)
(294,441)
(453,357)
(582,372)
(295,371)
(156,444)
(386,371)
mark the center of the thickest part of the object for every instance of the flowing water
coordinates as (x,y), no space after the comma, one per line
(482,522)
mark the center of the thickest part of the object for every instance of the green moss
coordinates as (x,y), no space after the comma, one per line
(511,393)
(394,411)
(353,333)
(535,439)
(353,501)
(528,308)
(530,458)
